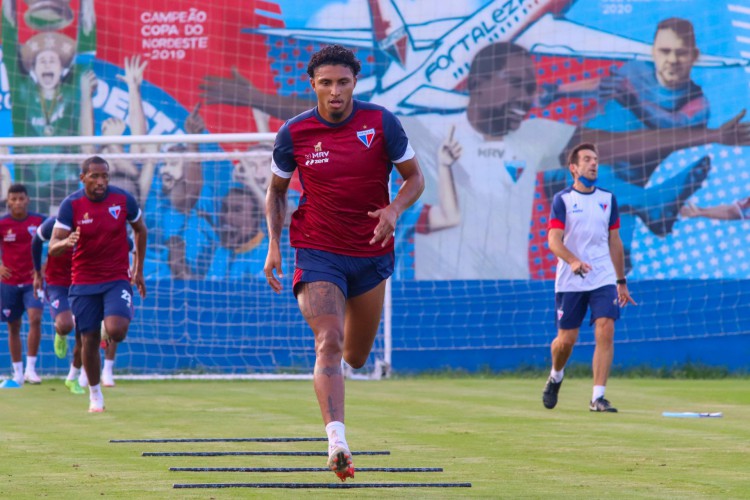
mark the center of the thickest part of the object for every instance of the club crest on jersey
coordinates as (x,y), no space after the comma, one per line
(604,206)
(6,312)
(31,230)
(55,304)
(366,136)
(114,211)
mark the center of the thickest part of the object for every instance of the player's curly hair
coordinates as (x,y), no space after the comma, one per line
(333,54)
(92,160)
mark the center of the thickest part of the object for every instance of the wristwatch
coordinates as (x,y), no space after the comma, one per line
(621,281)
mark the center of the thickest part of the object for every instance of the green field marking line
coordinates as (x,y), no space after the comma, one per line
(323,485)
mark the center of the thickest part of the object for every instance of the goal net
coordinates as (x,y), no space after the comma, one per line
(492,94)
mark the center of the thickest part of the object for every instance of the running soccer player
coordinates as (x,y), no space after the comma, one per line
(92,221)
(54,288)
(584,235)
(342,230)
(16,285)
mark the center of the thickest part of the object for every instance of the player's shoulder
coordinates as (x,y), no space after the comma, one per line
(118,191)
(561,194)
(369,106)
(74,196)
(37,218)
(300,118)
(604,192)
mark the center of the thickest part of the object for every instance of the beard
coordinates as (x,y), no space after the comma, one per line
(499,121)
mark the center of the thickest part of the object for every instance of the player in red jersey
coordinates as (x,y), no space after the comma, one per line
(342,231)
(17,228)
(92,221)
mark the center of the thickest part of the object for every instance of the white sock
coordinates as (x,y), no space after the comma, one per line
(18,370)
(30,364)
(557,376)
(95,393)
(73,373)
(598,392)
(109,365)
(335,431)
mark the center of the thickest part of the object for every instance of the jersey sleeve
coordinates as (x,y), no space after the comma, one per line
(557,213)
(134,212)
(65,215)
(283,163)
(44,231)
(614,215)
(396,141)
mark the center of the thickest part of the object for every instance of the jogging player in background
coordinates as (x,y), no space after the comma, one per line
(54,287)
(92,221)
(583,234)
(17,228)
(344,150)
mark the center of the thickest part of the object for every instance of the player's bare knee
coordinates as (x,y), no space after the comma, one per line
(354,360)
(63,326)
(329,343)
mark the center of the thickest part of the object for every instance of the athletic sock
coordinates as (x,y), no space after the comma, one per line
(73,373)
(598,392)
(18,370)
(335,431)
(95,393)
(109,365)
(557,376)
(30,364)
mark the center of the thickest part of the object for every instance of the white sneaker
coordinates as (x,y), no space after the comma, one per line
(96,406)
(83,379)
(32,378)
(340,460)
(108,380)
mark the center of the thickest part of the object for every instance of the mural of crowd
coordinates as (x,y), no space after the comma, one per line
(491,126)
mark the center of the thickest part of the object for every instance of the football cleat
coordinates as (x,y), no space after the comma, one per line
(340,461)
(96,406)
(61,346)
(549,395)
(108,380)
(602,405)
(74,386)
(32,378)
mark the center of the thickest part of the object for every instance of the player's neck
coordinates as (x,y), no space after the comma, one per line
(578,186)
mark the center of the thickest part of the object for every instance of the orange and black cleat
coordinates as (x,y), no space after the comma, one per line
(340,462)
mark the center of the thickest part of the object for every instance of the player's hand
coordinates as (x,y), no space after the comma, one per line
(580,268)
(386,225)
(38,285)
(5,272)
(140,283)
(273,262)
(623,296)
(73,238)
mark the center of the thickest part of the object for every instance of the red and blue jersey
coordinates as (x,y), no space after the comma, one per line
(101,254)
(344,170)
(57,271)
(16,247)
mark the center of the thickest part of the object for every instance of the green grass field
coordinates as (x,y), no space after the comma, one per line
(492,432)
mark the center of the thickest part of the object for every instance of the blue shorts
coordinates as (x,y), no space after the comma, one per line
(571,306)
(15,299)
(92,303)
(353,275)
(57,298)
